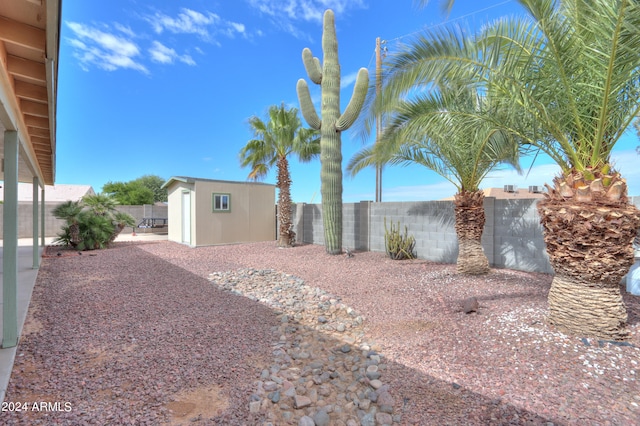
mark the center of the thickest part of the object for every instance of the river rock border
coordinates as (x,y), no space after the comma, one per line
(324,372)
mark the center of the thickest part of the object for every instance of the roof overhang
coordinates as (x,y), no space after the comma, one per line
(29,50)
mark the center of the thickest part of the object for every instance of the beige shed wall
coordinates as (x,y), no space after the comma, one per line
(252,216)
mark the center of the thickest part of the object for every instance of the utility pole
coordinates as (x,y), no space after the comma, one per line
(378,121)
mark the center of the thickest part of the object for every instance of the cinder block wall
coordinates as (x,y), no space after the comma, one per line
(512,236)
(52,225)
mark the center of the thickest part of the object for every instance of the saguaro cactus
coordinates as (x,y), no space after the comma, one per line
(331,125)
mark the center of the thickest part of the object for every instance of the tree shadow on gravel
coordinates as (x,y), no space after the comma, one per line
(125,336)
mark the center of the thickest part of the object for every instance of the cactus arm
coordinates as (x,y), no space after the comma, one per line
(306,105)
(357,100)
(312,65)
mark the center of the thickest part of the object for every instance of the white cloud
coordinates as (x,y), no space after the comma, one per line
(165,55)
(104,48)
(348,79)
(287,13)
(205,24)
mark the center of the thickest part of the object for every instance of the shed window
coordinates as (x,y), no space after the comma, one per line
(221,202)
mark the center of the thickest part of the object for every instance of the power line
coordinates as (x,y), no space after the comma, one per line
(452,20)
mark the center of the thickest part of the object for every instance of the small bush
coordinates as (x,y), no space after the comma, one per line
(397,245)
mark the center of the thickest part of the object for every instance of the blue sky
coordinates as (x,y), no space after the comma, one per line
(166,87)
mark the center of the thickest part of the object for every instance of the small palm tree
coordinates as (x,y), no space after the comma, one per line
(100,204)
(275,140)
(69,211)
(421,131)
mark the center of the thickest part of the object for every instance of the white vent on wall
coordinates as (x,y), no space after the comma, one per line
(510,188)
(535,189)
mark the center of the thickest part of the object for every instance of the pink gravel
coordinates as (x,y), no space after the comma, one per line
(118,333)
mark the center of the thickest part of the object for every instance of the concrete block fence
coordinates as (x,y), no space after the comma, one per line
(512,236)
(53,226)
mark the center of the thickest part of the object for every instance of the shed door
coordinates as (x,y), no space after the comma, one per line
(186,217)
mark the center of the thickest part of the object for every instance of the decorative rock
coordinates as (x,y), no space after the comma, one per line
(254,407)
(372,372)
(384,419)
(270,386)
(301,401)
(326,383)
(376,384)
(470,305)
(385,402)
(306,421)
(274,397)
(368,420)
(321,418)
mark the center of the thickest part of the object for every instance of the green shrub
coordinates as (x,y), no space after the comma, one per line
(397,245)
(92,223)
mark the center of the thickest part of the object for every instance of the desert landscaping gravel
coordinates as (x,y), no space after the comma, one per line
(159,333)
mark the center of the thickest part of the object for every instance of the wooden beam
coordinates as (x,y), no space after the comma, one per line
(42,150)
(37,140)
(36,131)
(22,35)
(31,70)
(32,92)
(34,108)
(39,122)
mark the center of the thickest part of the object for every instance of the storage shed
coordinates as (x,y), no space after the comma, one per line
(205,212)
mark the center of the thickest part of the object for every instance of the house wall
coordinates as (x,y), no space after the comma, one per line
(251,218)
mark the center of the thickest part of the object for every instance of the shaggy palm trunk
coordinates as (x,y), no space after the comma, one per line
(469,215)
(74,234)
(588,228)
(286,234)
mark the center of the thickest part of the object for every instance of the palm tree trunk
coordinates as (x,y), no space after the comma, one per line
(74,234)
(469,215)
(286,234)
(588,238)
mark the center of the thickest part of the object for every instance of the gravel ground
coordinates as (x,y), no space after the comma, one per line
(136,334)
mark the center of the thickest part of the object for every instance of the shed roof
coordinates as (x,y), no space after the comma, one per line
(187,179)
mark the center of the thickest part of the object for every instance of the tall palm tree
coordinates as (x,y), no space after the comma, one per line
(568,74)
(274,140)
(419,132)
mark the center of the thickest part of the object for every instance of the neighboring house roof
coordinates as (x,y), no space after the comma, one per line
(515,194)
(187,179)
(59,192)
